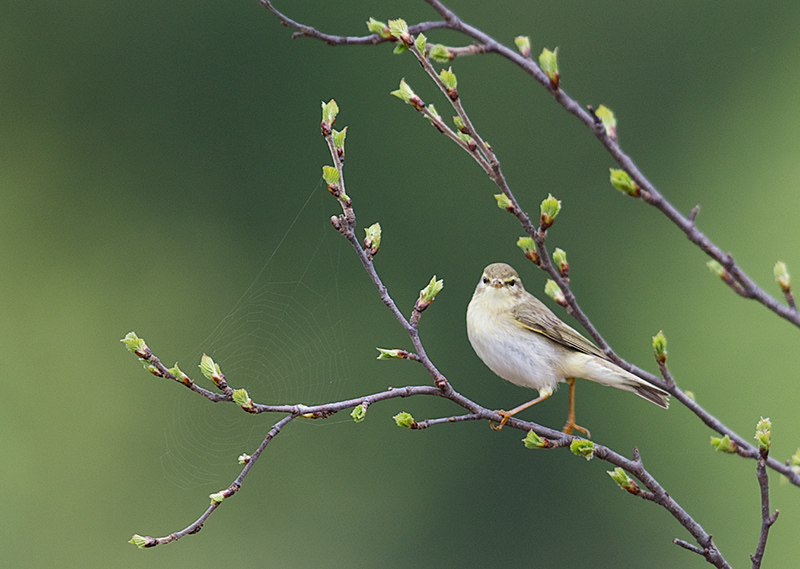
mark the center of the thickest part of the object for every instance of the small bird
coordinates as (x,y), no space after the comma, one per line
(522,341)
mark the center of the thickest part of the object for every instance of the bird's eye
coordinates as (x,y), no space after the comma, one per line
(512,282)
(485,280)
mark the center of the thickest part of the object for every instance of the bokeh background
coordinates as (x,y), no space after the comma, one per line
(160,172)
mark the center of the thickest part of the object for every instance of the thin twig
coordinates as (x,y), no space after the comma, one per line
(767,519)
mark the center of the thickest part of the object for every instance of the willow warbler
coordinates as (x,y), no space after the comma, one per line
(523,342)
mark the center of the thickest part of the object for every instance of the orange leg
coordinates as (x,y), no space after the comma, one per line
(508,414)
(571,417)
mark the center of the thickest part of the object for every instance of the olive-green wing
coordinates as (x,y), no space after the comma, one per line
(548,324)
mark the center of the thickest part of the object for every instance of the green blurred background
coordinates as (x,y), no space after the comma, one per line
(160,172)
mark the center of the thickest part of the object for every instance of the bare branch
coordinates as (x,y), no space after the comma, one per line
(767,519)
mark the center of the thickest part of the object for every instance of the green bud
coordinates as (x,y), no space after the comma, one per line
(560,259)
(660,347)
(421,42)
(329,112)
(241,397)
(377,27)
(552,290)
(359,413)
(528,247)
(404,420)
(503,202)
(428,294)
(440,53)
(795,459)
(763,434)
(548,61)
(459,124)
(180,376)
(716,268)
(151,368)
(141,542)
(372,241)
(690,395)
(391,354)
(210,369)
(724,444)
(216,497)
(468,139)
(338,138)
(135,344)
(606,115)
(550,208)
(244,458)
(532,440)
(330,175)
(400,48)
(582,447)
(623,480)
(407,95)
(398,28)
(782,276)
(523,45)
(448,78)
(621,180)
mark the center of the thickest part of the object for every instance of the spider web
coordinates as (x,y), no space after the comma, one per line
(283,341)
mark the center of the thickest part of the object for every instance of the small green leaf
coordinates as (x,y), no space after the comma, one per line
(763,434)
(338,138)
(330,175)
(359,413)
(241,397)
(660,347)
(560,259)
(216,497)
(532,440)
(208,368)
(459,124)
(621,180)
(523,45)
(404,420)
(404,92)
(380,28)
(448,78)
(428,294)
(399,30)
(552,290)
(548,61)
(329,111)
(528,247)
(549,208)
(134,343)
(372,241)
(440,53)
(716,268)
(782,276)
(140,541)
(180,376)
(623,480)
(244,458)
(391,354)
(503,202)
(420,43)
(582,447)
(400,48)
(724,444)
(608,119)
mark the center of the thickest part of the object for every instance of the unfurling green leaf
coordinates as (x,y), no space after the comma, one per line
(404,420)
(560,259)
(420,43)
(609,121)
(623,480)
(180,376)
(329,112)
(532,440)
(140,541)
(782,276)
(528,247)
(439,53)
(372,241)
(391,354)
(549,208)
(548,61)
(503,202)
(448,78)
(216,497)
(399,29)
(330,175)
(660,347)
(621,180)
(242,398)
(135,344)
(582,447)
(359,413)
(523,45)
(380,28)
(552,290)
(763,434)
(724,444)
(428,294)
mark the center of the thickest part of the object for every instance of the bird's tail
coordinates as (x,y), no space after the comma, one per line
(608,373)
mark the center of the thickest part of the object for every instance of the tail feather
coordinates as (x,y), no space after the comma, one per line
(608,373)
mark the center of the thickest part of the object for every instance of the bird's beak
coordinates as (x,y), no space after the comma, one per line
(496,283)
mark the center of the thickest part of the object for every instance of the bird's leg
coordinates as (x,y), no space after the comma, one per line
(571,417)
(508,414)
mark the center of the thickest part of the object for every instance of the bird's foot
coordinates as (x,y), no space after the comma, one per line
(571,425)
(506,416)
